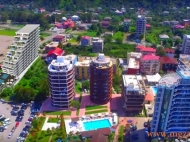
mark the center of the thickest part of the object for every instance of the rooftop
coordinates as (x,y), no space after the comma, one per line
(153,78)
(28,28)
(57,51)
(83,63)
(60,36)
(188,36)
(150,57)
(101,59)
(133,63)
(185,59)
(60,65)
(148,49)
(163,36)
(86,37)
(134,54)
(70,57)
(52,44)
(131,83)
(170,79)
(168,60)
(169,50)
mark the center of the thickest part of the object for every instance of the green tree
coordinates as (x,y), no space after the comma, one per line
(111,137)
(160,51)
(75,104)
(35,123)
(79,38)
(60,45)
(7,92)
(86,84)
(141,36)
(119,40)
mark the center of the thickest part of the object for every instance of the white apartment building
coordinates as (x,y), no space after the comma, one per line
(62,82)
(97,45)
(186,44)
(23,51)
(140,25)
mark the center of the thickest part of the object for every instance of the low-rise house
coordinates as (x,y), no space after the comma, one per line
(95,21)
(51,46)
(107,19)
(148,26)
(164,37)
(68,24)
(169,52)
(52,54)
(133,62)
(75,18)
(59,38)
(108,34)
(42,10)
(97,45)
(145,50)
(82,27)
(178,27)
(168,63)
(166,12)
(105,24)
(59,25)
(149,64)
(85,41)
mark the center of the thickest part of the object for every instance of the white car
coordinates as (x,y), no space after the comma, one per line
(5,127)
(10,135)
(28,122)
(6,123)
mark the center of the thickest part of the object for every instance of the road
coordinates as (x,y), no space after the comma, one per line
(5,110)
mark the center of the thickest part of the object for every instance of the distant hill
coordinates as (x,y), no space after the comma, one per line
(104,3)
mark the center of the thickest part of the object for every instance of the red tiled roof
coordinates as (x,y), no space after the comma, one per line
(59,37)
(57,51)
(169,50)
(168,60)
(148,25)
(149,97)
(140,46)
(150,57)
(86,37)
(148,49)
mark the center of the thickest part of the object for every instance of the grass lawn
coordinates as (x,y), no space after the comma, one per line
(72,40)
(53,120)
(8,32)
(45,34)
(87,33)
(95,107)
(96,111)
(78,87)
(58,112)
(44,138)
(117,35)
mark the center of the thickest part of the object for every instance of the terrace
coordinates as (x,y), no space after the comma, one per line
(91,122)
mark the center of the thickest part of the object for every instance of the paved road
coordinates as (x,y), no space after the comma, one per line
(5,110)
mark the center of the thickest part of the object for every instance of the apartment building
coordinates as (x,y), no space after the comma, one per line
(149,64)
(62,82)
(171,108)
(186,44)
(101,75)
(140,25)
(133,94)
(168,63)
(23,51)
(82,67)
(72,58)
(133,62)
(145,50)
(97,45)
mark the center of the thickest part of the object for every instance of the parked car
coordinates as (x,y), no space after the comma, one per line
(133,127)
(17,123)
(145,124)
(28,122)
(1,116)
(10,135)
(19,118)
(2,119)
(15,108)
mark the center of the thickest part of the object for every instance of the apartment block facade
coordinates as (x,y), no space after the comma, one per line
(186,44)
(150,64)
(82,68)
(171,109)
(140,25)
(97,45)
(23,51)
(62,82)
(101,75)
(133,94)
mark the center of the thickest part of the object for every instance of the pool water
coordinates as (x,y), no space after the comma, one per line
(97,124)
(155,90)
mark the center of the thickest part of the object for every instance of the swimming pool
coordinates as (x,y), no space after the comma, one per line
(97,124)
(155,89)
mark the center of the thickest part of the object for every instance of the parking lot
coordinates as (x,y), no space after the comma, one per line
(6,111)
